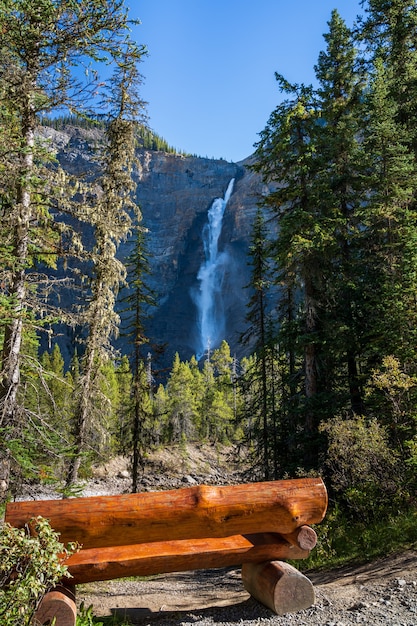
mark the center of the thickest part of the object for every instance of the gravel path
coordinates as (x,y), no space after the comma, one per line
(383,593)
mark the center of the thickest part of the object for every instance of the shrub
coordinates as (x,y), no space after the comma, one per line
(365,473)
(29,567)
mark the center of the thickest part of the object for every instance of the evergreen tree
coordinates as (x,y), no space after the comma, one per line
(340,190)
(390,229)
(182,405)
(257,317)
(286,155)
(111,216)
(389,32)
(144,432)
(220,410)
(160,417)
(137,303)
(42,42)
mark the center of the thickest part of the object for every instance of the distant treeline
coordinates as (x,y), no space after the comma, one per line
(147,138)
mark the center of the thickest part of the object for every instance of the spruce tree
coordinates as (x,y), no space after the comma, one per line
(286,155)
(340,191)
(112,215)
(257,334)
(390,141)
(390,229)
(137,303)
(388,32)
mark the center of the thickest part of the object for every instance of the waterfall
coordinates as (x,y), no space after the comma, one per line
(208,296)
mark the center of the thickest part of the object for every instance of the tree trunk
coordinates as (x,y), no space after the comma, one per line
(82,415)
(12,343)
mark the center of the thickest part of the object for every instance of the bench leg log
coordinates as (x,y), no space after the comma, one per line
(279,586)
(58,604)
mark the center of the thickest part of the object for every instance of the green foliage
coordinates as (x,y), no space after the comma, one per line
(200,404)
(343,540)
(340,161)
(42,43)
(332,310)
(29,567)
(149,140)
(86,617)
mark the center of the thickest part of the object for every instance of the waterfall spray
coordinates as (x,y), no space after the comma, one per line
(208,297)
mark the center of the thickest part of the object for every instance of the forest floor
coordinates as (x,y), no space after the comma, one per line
(380,593)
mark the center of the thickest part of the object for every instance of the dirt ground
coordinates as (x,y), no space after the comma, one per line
(218,595)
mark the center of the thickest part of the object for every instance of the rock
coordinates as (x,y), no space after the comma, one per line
(175,194)
(189,480)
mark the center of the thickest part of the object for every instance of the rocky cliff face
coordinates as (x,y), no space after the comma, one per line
(175,194)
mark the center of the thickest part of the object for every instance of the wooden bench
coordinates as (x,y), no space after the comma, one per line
(256,526)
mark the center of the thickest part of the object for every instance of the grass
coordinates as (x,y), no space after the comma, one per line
(86,617)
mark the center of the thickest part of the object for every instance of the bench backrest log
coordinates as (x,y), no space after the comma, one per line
(189,513)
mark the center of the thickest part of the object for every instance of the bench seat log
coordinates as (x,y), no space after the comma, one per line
(191,513)
(178,556)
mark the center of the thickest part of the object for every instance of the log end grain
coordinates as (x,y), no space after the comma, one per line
(58,604)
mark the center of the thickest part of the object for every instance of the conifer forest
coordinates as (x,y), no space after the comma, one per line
(330,384)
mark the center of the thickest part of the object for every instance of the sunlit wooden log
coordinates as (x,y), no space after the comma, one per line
(279,586)
(191,513)
(58,604)
(176,556)
(303,537)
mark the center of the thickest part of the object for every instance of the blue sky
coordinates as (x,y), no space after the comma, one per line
(209,75)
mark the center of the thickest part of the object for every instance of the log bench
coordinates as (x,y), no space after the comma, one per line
(257,526)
